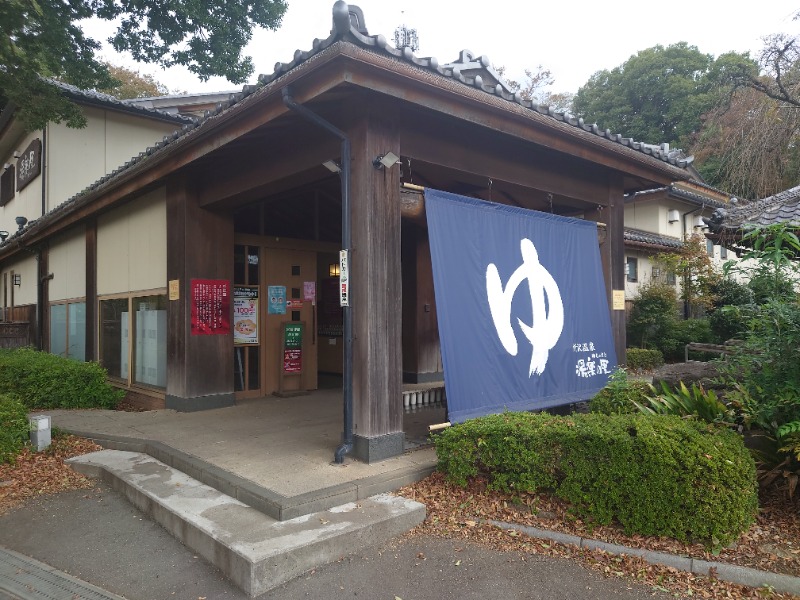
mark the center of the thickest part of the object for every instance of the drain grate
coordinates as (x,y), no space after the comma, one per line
(23,578)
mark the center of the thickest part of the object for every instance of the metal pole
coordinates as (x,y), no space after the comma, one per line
(347,383)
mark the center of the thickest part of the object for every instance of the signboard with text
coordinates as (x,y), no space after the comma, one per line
(211,306)
(276,296)
(292,347)
(29,164)
(245,314)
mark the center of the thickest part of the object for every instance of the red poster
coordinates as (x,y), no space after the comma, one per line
(292,361)
(211,307)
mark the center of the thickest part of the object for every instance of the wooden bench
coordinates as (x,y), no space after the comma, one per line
(721,349)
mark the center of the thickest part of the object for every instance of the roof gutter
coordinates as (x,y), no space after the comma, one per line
(347,384)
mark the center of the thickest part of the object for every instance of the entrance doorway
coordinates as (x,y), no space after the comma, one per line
(277,291)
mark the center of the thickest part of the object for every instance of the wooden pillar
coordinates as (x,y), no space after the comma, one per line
(43,299)
(91,290)
(376,291)
(199,246)
(616,249)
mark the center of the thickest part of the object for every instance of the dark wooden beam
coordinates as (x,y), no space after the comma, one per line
(376,289)
(91,290)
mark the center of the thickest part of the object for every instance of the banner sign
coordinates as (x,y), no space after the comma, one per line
(522,306)
(292,347)
(245,314)
(211,307)
(276,294)
(344,278)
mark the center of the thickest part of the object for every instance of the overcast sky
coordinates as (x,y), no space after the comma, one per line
(572,39)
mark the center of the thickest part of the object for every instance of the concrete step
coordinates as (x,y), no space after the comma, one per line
(255,551)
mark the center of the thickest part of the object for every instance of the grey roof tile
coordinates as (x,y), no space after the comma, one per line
(116,103)
(343,29)
(783,207)
(637,237)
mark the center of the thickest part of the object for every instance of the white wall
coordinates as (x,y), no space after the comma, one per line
(27,267)
(67,263)
(132,246)
(78,157)
(28,202)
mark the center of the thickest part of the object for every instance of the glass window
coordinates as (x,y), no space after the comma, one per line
(632,269)
(68,330)
(76,331)
(58,329)
(114,332)
(239,265)
(150,340)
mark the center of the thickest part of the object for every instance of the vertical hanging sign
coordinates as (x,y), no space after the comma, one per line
(211,307)
(344,278)
(292,347)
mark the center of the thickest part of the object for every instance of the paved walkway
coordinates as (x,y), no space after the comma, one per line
(282,444)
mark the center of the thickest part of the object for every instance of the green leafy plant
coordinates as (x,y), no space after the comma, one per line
(41,380)
(13,427)
(655,475)
(764,374)
(653,315)
(724,317)
(619,394)
(644,359)
(683,402)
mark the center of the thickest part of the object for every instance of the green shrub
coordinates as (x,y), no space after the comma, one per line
(41,380)
(656,475)
(683,402)
(653,315)
(13,427)
(724,317)
(620,395)
(644,359)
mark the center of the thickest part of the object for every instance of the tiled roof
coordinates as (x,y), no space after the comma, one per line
(638,237)
(687,195)
(343,28)
(783,207)
(344,17)
(117,104)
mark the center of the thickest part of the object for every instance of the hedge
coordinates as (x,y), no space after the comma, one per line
(655,475)
(643,359)
(43,381)
(13,427)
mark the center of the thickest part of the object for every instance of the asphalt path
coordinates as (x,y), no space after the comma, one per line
(97,536)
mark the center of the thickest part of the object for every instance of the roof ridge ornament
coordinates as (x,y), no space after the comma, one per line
(346,18)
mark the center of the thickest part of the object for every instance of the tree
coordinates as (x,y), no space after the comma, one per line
(694,269)
(657,95)
(534,88)
(43,39)
(749,143)
(132,84)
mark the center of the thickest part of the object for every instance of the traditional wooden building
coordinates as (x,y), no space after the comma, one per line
(248,202)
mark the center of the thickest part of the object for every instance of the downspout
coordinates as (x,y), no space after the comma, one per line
(40,279)
(347,383)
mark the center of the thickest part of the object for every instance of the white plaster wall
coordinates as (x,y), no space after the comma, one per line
(67,263)
(77,158)
(28,202)
(132,246)
(127,136)
(27,268)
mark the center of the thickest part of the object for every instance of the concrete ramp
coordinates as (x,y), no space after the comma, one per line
(254,550)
